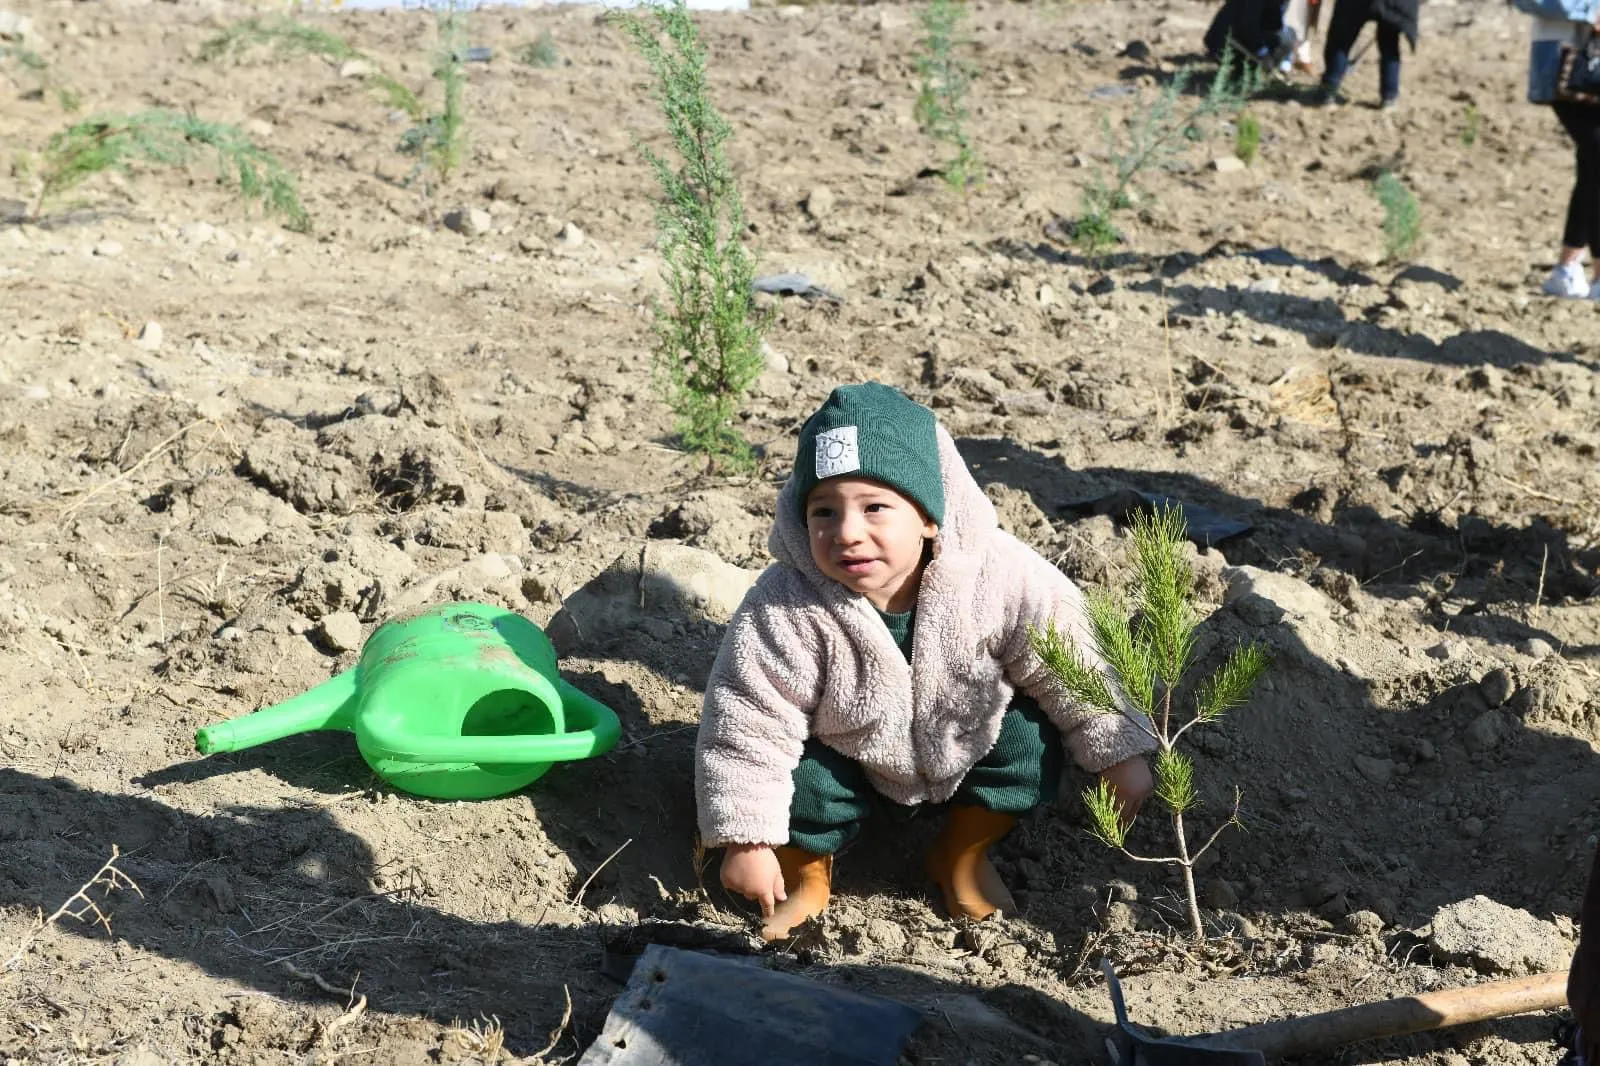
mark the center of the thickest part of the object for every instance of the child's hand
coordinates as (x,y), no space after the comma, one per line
(1132,782)
(752,871)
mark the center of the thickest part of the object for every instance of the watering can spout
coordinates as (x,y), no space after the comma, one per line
(328,706)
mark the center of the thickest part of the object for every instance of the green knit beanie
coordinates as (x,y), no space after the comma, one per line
(876,432)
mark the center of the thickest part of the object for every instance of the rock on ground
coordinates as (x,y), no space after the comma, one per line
(1497,939)
(650,590)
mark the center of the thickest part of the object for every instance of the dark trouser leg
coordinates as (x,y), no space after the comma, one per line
(1343,29)
(1388,62)
(1582,123)
(831,798)
(1022,770)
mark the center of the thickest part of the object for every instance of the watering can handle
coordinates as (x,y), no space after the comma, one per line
(592,729)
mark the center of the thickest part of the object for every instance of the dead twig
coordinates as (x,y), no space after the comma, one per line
(79,905)
(1535,493)
(578,895)
(73,508)
(1544,561)
(560,1030)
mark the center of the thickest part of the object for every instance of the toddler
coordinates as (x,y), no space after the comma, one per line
(884,661)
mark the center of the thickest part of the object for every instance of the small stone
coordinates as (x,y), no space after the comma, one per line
(530,244)
(341,631)
(239,528)
(356,68)
(1485,732)
(1472,828)
(1378,771)
(888,937)
(1227,164)
(1362,923)
(469,222)
(258,128)
(1536,648)
(14,27)
(1497,687)
(232,634)
(197,233)
(776,361)
(1120,918)
(150,337)
(1269,286)
(570,234)
(1136,50)
(819,202)
(1447,650)
(108,249)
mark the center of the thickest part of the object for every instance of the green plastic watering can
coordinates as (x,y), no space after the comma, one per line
(462,701)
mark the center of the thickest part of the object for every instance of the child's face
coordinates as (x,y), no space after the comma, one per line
(868,538)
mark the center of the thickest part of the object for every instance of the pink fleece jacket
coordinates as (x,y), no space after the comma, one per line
(805,657)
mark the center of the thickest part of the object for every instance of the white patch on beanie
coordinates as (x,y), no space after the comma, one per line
(837,452)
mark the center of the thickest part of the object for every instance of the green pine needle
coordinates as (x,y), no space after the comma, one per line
(1128,657)
(1075,676)
(167,138)
(1105,816)
(1230,686)
(1175,780)
(707,350)
(1165,586)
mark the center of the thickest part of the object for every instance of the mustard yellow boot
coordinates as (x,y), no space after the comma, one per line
(959,863)
(808,882)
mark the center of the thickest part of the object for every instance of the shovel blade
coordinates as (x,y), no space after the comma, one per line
(1133,1046)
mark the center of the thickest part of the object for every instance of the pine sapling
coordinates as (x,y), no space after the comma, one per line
(289,37)
(708,338)
(1402,218)
(1247,138)
(941,108)
(23,63)
(1472,126)
(540,52)
(1153,137)
(439,139)
(167,138)
(1148,647)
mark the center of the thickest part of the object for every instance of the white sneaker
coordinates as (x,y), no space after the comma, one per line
(1568,282)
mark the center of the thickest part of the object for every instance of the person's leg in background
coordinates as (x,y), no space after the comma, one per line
(1582,231)
(1388,65)
(1343,29)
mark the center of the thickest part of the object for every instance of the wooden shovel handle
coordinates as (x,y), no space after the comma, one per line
(1399,1016)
